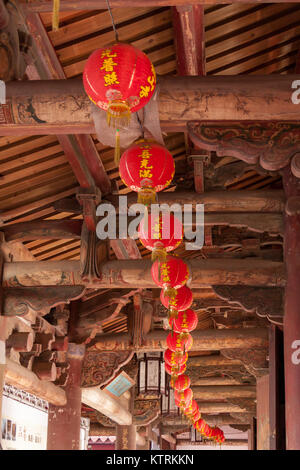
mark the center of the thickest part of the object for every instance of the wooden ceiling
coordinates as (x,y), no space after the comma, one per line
(239,39)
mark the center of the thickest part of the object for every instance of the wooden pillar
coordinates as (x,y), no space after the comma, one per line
(292,310)
(263,413)
(64,421)
(126,437)
(276,389)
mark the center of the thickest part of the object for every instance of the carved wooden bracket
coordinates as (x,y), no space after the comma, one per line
(100,367)
(88,255)
(89,198)
(18,300)
(236,372)
(247,404)
(254,360)
(267,302)
(272,144)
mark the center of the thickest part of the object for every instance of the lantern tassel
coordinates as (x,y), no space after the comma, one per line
(170,292)
(147,196)
(55,15)
(117,148)
(159,254)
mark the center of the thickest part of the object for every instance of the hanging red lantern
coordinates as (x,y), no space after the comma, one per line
(119,79)
(174,358)
(146,168)
(184,398)
(191,409)
(199,425)
(196,416)
(182,382)
(170,274)
(182,301)
(160,233)
(186,321)
(175,370)
(179,342)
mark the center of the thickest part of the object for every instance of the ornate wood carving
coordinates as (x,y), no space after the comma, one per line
(89,198)
(236,372)
(254,360)
(270,143)
(100,367)
(19,300)
(264,301)
(247,404)
(88,255)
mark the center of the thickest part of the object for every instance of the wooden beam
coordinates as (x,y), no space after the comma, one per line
(203,340)
(133,274)
(181,99)
(69,5)
(211,407)
(43,229)
(220,392)
(23,378)
(227,443)
(188,24)
(221,201)
(263,413)
(110,407)
(211,361)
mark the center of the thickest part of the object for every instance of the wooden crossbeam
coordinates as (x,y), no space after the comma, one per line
(69,5)
(181,99)
(135,274)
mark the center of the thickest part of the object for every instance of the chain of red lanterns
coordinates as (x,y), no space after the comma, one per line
(121,80)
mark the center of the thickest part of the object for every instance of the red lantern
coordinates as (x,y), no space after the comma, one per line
(119,79)
(182,382)
(196,416)
(146,168)
(199,425)
(184,398)
(191,409)
(174,358)
(179,342)
(186,321)
(160,233)
(182,301)
(170,274)
(175,370)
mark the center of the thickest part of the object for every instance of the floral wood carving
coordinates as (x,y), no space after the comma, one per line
(100,367)
(266,302)
(271,144)
(254,360)
(18,301)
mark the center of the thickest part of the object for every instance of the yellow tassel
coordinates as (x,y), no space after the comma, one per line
(170,292)
(173,313)
(159,254)
(147,196)
(55,15)
(117,148)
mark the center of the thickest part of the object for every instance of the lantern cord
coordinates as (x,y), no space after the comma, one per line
(141,126)
(113,22)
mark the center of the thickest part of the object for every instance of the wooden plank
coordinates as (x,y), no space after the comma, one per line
(44,229)
(263,413)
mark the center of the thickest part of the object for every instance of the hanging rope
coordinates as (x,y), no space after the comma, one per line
(113,22)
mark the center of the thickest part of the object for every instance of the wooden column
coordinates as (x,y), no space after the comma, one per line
(292,310)
(126,437)
(263,413)
(64,422)
(276,389)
